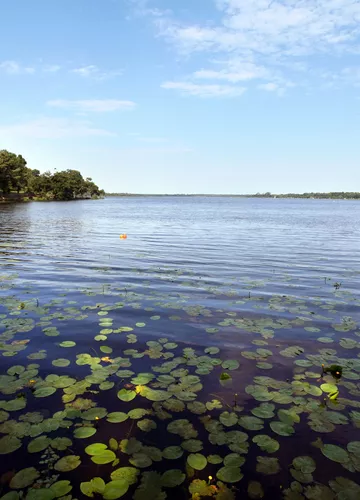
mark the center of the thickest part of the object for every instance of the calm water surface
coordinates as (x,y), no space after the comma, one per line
(260,279)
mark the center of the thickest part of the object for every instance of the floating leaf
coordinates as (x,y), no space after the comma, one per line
(61,362)
(228,419)
(230,364)
(173,452)
(24,478)
(172,478)
(117,417)
(44,392)
(67,463)
(255,490)
(234,460)
(214,459)
(230,474)
(304,463)
(251,423)
(267,465)
(197,461)
(61,488)
(38,444)
(128,474)
(115,489)
(140,460)
(146,424)
(84,432)
(281,428)
(266,443)
(335,453)
(9,444)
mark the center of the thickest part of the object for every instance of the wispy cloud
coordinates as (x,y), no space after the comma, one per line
(15,68)
(189,88)
(52,68)
(52,128)
(265,40)
(95,73)
(95,105)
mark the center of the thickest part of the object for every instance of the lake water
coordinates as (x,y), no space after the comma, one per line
(200,339)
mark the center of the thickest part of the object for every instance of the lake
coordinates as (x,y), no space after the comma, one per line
(214,353)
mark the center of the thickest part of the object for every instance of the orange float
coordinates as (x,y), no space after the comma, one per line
(123,236)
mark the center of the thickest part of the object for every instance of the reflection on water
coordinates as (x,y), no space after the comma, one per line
(262,290)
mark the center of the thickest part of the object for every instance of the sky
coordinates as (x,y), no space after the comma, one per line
(185,96)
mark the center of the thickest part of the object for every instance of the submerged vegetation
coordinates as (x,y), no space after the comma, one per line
(132,412)
(16,177)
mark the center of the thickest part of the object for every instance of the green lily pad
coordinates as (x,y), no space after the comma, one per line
(61,488)
(61,362)
(234,460)
(115,489)
(251,423)
(172,478)
(267,465)
(9,444)
(68,463)
(126,395)
(230,364)
(329,388)
(282,428)
(117,417)
(105,457)
(128,474)
(305,464)
(214,459)
(255,490)
(84,432)
(38,444)
(173,452)
(67,343)
(266,443)
(140,460)
(44,392)
(24,478)
(192,445)
(335,453)
(39,494)
(230,474)
(197,461)
(228,419)
(146,424)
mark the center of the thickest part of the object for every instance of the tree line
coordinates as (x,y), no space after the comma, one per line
(334,195)
(16,177)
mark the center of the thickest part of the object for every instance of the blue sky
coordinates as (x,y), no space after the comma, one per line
(185,96)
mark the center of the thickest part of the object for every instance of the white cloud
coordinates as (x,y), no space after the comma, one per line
(95,73)
(95,105)
(52,68)
(15,68)
(270,87)
(270,39)
(52,128)
(189,88)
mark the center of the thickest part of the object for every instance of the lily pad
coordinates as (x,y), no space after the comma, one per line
(117,417)
(335,453)
(115,489)
(197,461)
(230,474)
(24,478)
(172,478)
(173,452)
(68,463)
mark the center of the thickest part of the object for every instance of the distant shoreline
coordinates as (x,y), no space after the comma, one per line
(307,196)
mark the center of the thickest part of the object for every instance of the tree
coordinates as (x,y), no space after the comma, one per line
(63,185)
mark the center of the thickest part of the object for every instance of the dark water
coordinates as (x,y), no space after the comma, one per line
(236,274)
